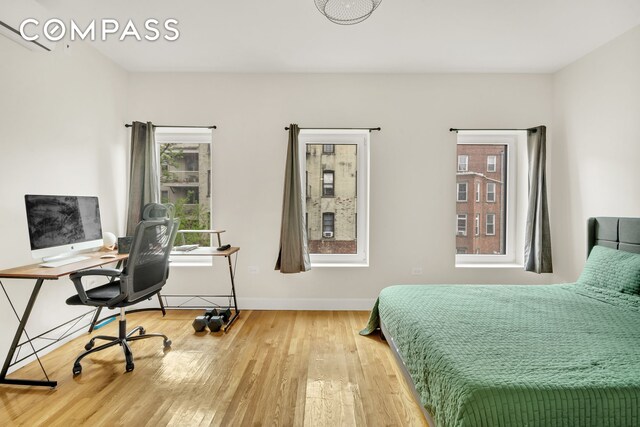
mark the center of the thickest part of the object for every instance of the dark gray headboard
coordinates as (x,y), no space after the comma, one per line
(614,232)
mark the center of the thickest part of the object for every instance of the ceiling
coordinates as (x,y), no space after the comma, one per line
(402,36)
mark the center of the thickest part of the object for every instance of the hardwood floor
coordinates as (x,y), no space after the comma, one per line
(289,368)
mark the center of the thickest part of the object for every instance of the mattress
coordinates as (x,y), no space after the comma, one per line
(509,355)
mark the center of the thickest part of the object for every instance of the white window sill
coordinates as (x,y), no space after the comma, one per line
(181,264)
(327,264)
(490,265)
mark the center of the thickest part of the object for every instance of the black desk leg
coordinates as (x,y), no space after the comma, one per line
(16,340)
(233,292)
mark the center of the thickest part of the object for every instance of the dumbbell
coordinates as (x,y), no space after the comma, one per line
(225,313)
(201,322)
(213,319)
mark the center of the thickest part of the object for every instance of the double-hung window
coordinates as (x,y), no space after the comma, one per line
(337,188)
(463,163)
(327,183)
(461,229)
(184,155)
(491,163)
(495,162)
(491,192)
(462,192)
(491,224)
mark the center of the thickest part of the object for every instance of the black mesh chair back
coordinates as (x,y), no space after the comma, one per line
(147,270)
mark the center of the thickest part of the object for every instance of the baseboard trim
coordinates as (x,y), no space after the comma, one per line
(328,304)
(306,303)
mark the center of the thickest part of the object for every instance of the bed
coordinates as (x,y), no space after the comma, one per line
(526,355)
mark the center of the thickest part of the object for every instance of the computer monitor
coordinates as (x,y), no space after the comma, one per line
(59,225)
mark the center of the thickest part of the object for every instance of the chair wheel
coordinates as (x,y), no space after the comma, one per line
(77,369)
(167,343)
(88,346)
(142,331)
(130,367)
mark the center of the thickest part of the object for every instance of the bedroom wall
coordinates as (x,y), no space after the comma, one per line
(596,145)
(61,132)
(412,170)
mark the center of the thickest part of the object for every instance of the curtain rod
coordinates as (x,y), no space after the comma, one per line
(369,129)
(532,130)
(128,125)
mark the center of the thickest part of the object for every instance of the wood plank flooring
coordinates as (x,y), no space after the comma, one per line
(282,368)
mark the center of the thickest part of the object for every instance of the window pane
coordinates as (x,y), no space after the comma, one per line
(463,163)
(491,192)
(491,218)
(185,182)
(462,191)
(331,198)
(462,225)
(485,172)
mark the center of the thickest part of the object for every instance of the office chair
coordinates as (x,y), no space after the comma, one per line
(144,276)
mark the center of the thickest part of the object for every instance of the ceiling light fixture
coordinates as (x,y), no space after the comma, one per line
(347,12)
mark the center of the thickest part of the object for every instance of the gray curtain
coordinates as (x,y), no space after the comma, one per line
(537,245)
(293,256)
(144,176)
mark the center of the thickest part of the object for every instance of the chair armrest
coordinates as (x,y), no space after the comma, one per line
(111,272)
(76,278)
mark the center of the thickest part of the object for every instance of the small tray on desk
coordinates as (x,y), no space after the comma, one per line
(206,251)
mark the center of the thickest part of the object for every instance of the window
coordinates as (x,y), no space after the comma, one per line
(336,205)
(462,225)
(327,184)
(327,148)
(463,163)
(328,219)
(491,192)
(185,180)
(462,191)
(491,224)
(461,250)
(492,159)
(491,163)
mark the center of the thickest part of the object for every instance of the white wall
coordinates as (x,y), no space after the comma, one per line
(412,170)
(61,132)
(597,145)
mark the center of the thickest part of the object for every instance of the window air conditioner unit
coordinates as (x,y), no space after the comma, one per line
(15,12)
(327,234)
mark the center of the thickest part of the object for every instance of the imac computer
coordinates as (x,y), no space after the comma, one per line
(60,226)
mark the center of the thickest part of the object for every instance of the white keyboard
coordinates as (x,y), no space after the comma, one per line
(54,264)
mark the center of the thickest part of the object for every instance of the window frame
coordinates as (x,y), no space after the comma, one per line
(466,163)
(493,224)
(360,138)
(466,191)
(188,135)
(462,217)
(493,193)
(478,187)
(325,174)
(325,216)
(325,149)
(515,170)
(477,225)
(494,164)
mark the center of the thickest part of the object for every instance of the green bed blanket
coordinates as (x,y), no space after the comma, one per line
(510,355)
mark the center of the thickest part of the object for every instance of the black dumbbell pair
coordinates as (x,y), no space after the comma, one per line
(212,319)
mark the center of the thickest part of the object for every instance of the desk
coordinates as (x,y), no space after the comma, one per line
(212,252)
(40,274)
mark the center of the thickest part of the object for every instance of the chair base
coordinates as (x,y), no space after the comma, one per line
(122,340)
